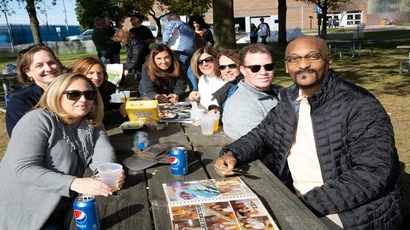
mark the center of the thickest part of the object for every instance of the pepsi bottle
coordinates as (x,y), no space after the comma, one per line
(86,213)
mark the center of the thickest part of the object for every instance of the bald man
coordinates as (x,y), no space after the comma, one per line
(329,141)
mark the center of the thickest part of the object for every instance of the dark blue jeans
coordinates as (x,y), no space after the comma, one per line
(186,59)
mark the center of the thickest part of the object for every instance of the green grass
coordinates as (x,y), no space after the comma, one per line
(378,74)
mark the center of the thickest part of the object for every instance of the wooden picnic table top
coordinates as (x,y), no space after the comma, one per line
(141,204)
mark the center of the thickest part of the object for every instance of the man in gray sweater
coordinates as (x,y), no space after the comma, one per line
(255,96)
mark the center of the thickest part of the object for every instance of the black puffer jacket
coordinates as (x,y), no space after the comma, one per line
(355,146)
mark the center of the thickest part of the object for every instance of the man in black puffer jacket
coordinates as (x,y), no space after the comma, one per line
(330,141)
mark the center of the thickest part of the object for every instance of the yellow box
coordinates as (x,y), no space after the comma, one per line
(144,110)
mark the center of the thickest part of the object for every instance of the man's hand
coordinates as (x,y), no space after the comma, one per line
(224,165)
(162,98)
(173,98)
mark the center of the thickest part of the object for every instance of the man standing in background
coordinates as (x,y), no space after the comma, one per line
(265,30)
(180,38)
(102,40)
(117,45)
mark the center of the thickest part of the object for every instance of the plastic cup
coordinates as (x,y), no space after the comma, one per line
(214,117)
(109,174)
(196,114)
(116,98)
(207,126)
(127,95)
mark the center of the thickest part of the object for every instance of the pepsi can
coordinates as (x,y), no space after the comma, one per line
(178,158)
(86,213)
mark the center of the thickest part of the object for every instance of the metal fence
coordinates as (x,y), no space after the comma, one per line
(21,34)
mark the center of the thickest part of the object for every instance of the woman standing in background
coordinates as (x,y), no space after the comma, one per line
(203,35)
(253,35)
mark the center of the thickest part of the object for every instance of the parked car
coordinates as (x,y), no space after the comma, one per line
(75,40)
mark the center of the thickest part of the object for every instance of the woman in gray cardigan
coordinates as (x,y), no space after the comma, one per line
(50,148)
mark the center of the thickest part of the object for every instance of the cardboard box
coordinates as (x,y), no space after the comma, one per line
(144,110)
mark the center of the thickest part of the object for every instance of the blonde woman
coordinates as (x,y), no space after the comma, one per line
(62,136)
(204,66)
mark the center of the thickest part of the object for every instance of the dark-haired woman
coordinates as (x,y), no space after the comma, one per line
(203,35)
(163,76)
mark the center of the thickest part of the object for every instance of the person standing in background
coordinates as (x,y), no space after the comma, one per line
(117,46)
(203,35)
(253,35)
(264,30)
(137,52)
(143,32)
(180,38)
(102,40)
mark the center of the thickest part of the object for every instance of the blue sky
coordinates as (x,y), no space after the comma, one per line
(55,14)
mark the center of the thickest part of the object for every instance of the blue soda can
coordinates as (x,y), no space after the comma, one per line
(178,158)
(86,213)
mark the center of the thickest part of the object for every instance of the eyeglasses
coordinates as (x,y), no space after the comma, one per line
(230,66)
(74,95)
(206,60)
(311,57)
(257,68)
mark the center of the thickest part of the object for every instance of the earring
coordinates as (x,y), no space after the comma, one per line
(92,109)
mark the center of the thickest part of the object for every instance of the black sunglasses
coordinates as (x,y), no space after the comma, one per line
(230,66)
(24,51)
(75,95)
(208,59)
(257,68)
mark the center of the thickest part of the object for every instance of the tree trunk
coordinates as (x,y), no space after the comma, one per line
(224,28)
(282,8)
(324,20)
(34,25)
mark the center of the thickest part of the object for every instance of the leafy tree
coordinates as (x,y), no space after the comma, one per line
(87,10)
(327,5)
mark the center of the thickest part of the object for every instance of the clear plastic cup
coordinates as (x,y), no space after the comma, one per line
(214,117)
(127,95)
(116,98)
(196,114)
(109,174)
(207,126)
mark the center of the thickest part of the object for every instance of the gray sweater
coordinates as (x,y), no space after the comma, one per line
(42,159)
(246,108)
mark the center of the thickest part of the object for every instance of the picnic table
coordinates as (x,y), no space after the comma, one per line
(141,203)
(401,61)
(349,45)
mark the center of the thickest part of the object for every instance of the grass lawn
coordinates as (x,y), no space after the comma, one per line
(378,74)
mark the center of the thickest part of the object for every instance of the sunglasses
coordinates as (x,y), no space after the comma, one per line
(24,51)
(206,60)
(74,95)
(230,66)
(257,68)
